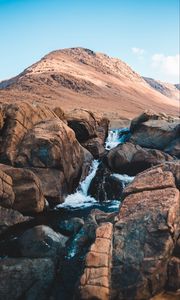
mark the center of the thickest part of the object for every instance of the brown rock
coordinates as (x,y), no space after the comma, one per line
(155,131)
(18,119)
(10,217)
(54,186)
(6,191)
(144,236)
(91,130)
(153,179)
(27,189)
(52,144)
(94,283)
(131,159)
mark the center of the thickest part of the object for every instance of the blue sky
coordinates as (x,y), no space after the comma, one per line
(143,33)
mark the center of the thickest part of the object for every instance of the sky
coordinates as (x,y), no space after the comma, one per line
(143,33)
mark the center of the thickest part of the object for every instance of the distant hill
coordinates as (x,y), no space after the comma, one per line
(168,89)
(79,77)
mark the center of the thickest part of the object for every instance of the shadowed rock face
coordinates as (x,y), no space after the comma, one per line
(27,190)
(18,282)
(131,159)
(104,186)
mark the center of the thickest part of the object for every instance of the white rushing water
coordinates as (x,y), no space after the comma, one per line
(115,137)
(80,198)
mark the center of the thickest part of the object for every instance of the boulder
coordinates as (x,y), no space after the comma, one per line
(154,131)
(173,167)
(26,188)
(18,119)
(10,217)
(6,190)
(24,278)
(144,236)
(41,241)
(54,185)
(83,123)
(104,186)
(91,130)
(131,159)
(53,145)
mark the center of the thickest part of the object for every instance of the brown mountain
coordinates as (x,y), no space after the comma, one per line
(79,77)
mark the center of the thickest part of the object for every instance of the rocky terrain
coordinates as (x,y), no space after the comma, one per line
(52,251)
(80,78)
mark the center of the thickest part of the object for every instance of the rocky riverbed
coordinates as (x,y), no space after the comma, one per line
(87,212)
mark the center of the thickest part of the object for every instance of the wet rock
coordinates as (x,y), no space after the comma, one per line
(174,274)
(155,131)
(27,189)
(23,278)
(71,226)
(88,158)
(144,236)
(104,186)
(94,283)
(6,191)
(41,241)
(131,159)
(10,217)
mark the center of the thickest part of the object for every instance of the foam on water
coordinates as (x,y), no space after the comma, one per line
(116,137)
(125,179)
(80,199)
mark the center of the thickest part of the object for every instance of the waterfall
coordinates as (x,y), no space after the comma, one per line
(116,137)
(80,199)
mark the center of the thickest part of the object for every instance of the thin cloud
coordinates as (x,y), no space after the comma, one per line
(168,65)
(138,51)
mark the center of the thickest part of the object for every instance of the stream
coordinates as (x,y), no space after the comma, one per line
(79,205)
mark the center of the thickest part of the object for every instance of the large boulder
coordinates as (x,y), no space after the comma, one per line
(27,190)
(25,278)
(91,130)
(41,241)
(104,186)
(18,119)
(53,145)
(145,235)
(131,159)
(6,190)
(155,131)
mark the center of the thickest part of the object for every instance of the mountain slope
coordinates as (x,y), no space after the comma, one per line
(167,89)
(79,77)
